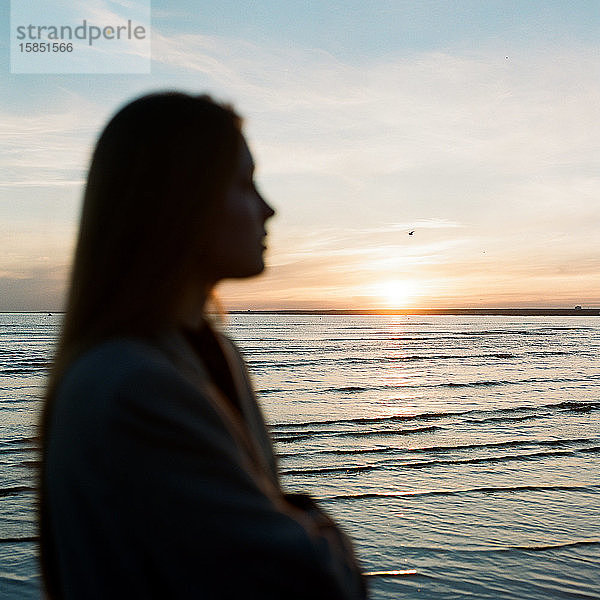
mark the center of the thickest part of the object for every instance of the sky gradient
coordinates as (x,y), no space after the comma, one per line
(475,124)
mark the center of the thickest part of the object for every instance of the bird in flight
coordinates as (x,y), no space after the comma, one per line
(411,232)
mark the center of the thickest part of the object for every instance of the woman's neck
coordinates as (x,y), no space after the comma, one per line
(191,313)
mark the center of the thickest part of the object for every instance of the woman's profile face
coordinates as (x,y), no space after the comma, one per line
(238,236)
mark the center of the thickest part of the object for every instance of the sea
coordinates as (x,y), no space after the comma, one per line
(461,453)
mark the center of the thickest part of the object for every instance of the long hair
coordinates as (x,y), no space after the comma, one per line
(157,177)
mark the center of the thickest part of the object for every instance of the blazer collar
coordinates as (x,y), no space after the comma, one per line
(248,428)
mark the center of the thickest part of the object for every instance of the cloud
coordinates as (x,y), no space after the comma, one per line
(507,150)
(494,163)
(50,148)
(397,113)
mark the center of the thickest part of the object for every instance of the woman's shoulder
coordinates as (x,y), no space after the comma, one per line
(110,362)
(106,377)
(124,390)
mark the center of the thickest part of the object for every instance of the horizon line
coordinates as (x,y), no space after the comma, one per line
(572,311)
(425,311)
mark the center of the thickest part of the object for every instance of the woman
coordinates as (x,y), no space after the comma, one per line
(158,476)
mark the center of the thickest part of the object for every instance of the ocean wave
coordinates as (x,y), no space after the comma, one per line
(425,464)
(464,491)
(452,448)
(8,371)
(593,449)
(370,432)
(544,330)
(398,573)
(491,550)
(19,440)
(293,436)
(489,383)
(576,406)
(32,365)
(330,470)
(507,444)
(378,360)
(508,419)
(446,384)
(18,450)
(492,383)
(558,546)
(19,489)
(554,352)
(487,459)
(373,420)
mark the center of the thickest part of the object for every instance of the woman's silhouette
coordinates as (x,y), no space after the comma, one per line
(158,477)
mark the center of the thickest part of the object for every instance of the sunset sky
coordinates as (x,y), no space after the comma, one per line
(474,123)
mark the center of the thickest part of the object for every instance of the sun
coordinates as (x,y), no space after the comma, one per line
(396,293)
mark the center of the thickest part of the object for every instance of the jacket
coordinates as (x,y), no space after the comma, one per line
(157,487)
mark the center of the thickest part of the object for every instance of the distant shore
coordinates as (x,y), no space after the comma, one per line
(516,312)
(510,312)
